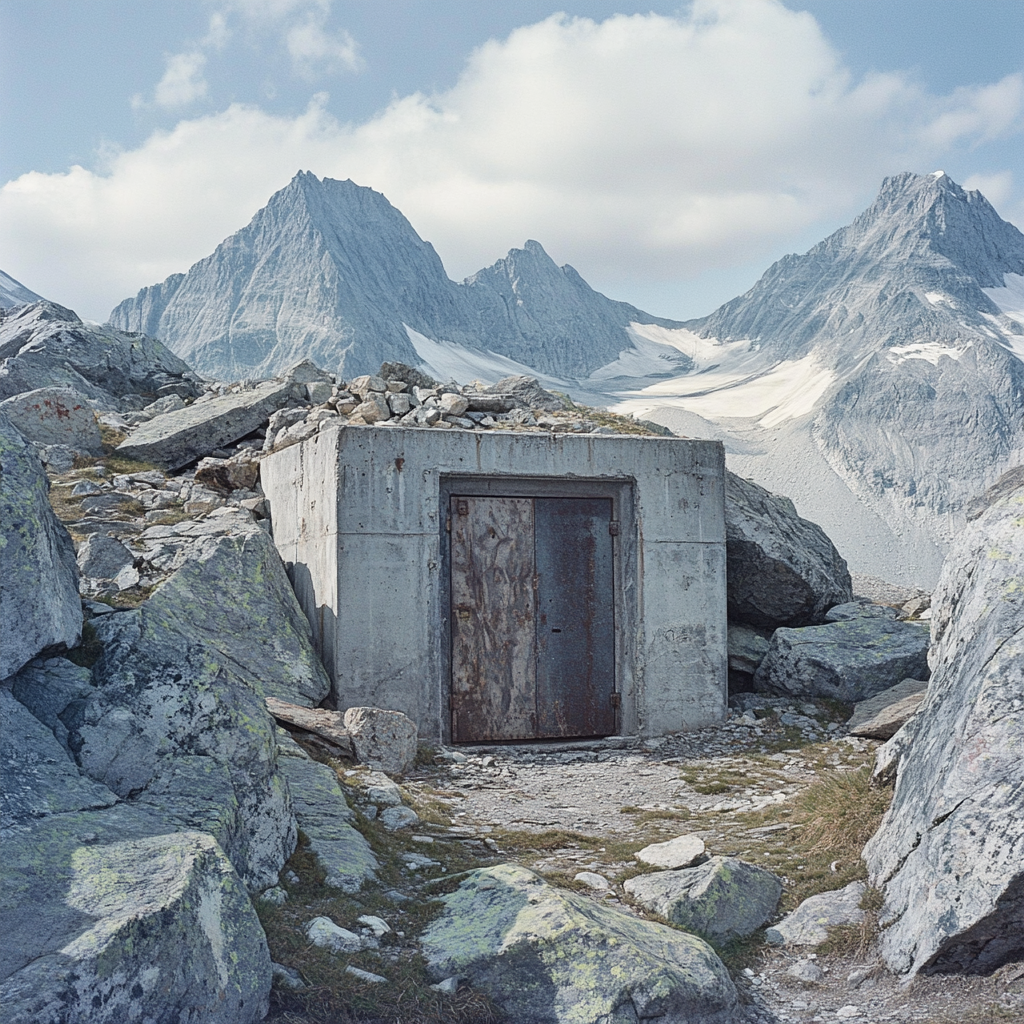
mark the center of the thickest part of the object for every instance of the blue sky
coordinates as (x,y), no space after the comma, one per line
(668,151)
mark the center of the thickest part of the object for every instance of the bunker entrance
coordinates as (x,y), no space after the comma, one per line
(532,618)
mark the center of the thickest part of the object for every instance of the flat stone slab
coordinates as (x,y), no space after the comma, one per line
(55,416)
(850,660)
(681,852)
(882,716)
(808,925)
(177,438)
(324,816)
(724,898)
(549,956)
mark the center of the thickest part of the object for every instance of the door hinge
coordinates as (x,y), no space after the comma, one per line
(613,528)
(462,507)
(448,524)
(616,700)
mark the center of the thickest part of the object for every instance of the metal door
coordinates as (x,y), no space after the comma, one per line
(494,655)
(575,619)
(532,624)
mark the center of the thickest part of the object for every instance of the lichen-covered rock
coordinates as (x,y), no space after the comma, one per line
(102,557)
(949,853)
(325,818)
(157,928)
(385,740)
(781,570)
(107,915)
(232,593)
(850,660)
(723,898)
(548,955)
(177,438)
(51,416)
(39,602)
(808,925)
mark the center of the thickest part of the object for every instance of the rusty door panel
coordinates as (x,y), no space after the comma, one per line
(494,663)
(575,617)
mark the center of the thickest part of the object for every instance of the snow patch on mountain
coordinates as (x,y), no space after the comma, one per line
(1009,298)
(446,360)
(655,351)
(930,351)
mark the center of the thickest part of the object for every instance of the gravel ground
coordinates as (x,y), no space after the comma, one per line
(494,792)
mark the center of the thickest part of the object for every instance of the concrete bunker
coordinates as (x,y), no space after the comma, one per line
(499,586)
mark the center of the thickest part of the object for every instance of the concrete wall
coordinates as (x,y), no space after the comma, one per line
(359,521)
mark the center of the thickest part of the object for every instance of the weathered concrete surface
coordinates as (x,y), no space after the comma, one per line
(782,570)
(949,852)
(55,416)
(39,602)
(850,660)
(808,925)
(723,898)
(177,438)
(548,955)
(324,816)
(383,644)
(882,716)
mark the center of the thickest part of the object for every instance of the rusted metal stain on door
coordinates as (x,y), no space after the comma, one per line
(494,666)
(533,647)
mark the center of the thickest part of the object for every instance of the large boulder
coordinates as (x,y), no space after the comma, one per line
(384,740)
(723,898)
(781,570)
(106,915)
(45,345)
(949,853)
(809,924)
(548,955)
(39,602)
(55,416)
(175,439)
(850,660)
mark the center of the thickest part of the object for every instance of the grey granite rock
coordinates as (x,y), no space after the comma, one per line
(153,928)
(177,438)
(39,602)
(46,345)
(332,272)
(747,648)
(850,660)
(723,898)
(882,716)
(808,925)
(548,955)
(859,610)
(384,740)
(781,570)
(949,853)
(324,816)
(102,557)
(55,416)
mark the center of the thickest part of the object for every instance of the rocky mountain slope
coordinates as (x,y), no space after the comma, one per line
(331,271)
(878,379)
(14,293)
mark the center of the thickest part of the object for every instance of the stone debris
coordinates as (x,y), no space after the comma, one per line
(368,976)
(384,740)
(323,932)
(592,880)
(681,852)
(808,925)
(882,716)
(723,898)
(326,724)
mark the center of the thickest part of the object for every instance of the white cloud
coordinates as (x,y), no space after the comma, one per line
(218,34)
(644,146)
(183,81)
(316,52)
